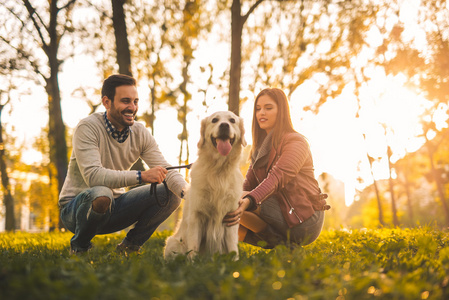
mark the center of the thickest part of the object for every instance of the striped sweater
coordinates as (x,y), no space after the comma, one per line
(289,175)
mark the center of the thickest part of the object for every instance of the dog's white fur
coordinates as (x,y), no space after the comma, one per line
(215,189)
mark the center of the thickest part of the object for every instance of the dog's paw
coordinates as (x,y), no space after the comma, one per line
(191,254)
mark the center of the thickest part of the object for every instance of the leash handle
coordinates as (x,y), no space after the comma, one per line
(180,167)
(154,192)
(154,185)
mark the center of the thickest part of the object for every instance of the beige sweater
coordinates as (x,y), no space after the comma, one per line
(99,160)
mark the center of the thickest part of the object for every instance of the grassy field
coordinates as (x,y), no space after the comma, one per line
(372,264)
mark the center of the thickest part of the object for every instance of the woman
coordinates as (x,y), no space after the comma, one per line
(282,202)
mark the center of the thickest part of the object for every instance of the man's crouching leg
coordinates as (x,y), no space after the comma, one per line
(85,214)
(150,218)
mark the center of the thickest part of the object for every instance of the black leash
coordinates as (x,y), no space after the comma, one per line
(154,185)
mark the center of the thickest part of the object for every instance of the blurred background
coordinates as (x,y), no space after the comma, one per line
(368,83)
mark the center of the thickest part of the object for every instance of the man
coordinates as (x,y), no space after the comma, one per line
(93,199)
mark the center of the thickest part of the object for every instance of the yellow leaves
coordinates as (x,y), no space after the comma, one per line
(281,273)
(374,291)
(277,285)
(425,295)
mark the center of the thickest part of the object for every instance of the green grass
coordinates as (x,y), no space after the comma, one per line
(372,264)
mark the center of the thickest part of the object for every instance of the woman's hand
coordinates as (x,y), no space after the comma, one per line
(233,218)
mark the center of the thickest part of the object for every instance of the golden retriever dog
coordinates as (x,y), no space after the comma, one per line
(215,189)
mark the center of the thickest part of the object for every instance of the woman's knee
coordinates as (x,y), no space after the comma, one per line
(271,213)
(309,231)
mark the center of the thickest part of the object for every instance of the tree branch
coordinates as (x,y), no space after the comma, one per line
(21,21)
(245,17)
(22,54)
(67,5)
(102,12)
(7,100)
(32,12)
(15,15)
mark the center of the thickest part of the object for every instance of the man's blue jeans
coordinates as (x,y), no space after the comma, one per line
(134,207)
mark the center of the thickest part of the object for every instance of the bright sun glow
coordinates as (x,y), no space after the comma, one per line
(389,112)
(389,115)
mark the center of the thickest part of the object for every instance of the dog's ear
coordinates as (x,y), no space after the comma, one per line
(202,133)
(242,132)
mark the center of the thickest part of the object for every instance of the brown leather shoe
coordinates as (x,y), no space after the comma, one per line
(127,249)
(80,252)
(267,238)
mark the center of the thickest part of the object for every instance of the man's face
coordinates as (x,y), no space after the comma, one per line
(123,109)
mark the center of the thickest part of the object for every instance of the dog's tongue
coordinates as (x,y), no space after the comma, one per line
(224,146)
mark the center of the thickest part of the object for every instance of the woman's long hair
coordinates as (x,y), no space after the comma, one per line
(283,122)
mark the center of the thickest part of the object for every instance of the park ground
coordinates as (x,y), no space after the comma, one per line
(341,264)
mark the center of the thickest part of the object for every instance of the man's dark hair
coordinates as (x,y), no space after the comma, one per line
(114,81)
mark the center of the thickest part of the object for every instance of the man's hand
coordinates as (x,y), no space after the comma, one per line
(232,218)
(153,175)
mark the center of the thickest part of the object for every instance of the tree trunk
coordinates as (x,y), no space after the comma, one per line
(376,189)
(390,182)
(409,197)
(409,202)
(182,113)
(235,73)
(10,221)
(189,12)
(379,204)
(236,57)
(438,182)
(122,50)
(57,130)
(153,107)
(121,37)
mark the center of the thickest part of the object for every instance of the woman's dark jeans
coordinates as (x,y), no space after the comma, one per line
(278,231)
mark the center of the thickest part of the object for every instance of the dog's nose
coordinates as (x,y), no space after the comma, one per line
(224,126)
(224,129)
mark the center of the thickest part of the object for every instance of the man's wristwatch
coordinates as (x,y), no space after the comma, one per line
(139,176)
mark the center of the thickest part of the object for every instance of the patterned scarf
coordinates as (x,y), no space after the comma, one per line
(119,136)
